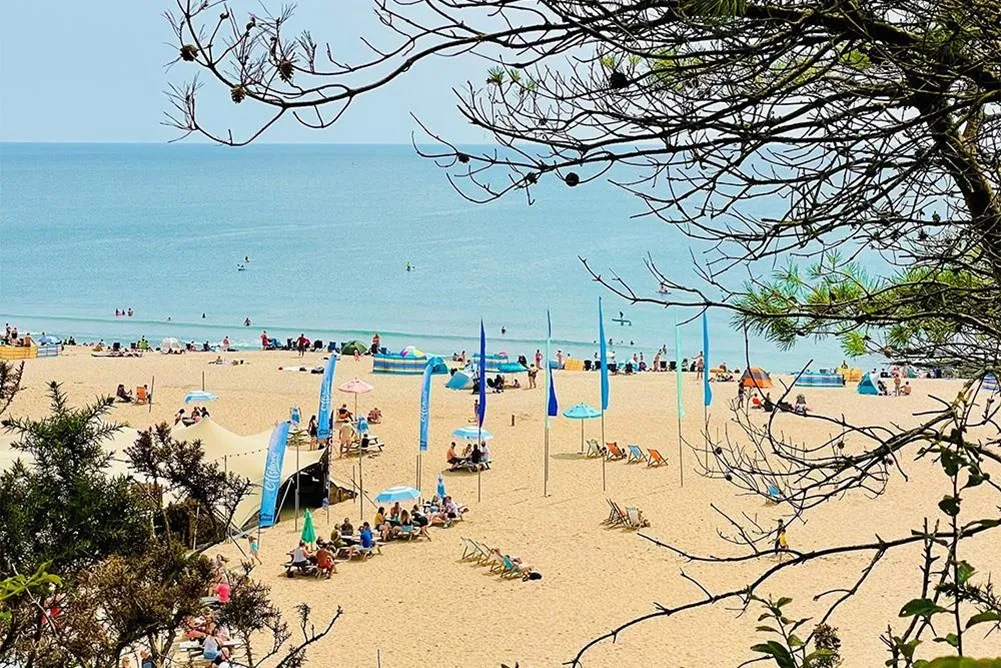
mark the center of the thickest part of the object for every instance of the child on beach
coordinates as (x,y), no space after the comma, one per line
(254,550)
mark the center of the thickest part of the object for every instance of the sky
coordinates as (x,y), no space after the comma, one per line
(75,71)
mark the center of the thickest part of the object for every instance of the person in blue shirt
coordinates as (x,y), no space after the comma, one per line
(367,541)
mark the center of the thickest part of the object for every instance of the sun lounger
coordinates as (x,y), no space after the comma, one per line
(635,454)
(655,458)
(636,519)
(593,449)
(615,452)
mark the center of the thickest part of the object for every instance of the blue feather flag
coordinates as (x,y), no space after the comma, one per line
(603,354)
(552,406)
(482,411)
(707,392)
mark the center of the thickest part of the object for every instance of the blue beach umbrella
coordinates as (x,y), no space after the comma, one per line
(199,396)
(581,412)
(441,486)
(472,434)
(398,493)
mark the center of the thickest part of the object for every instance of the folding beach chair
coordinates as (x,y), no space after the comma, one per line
(593,449)
(141,396)
(469,549)
(621,517)
(613,515)
(655,458)
(635,454)
(614,451)
(509,568)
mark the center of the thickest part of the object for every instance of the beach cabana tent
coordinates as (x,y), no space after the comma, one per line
(755,377)
(492,363)
(821,380)
(438,366)
(460,380)
(867,386)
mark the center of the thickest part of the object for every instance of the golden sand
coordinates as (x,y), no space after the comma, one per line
(419,605)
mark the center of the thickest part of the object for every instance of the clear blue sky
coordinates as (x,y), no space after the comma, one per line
(94,72)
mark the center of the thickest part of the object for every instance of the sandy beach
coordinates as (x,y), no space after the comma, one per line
(418,604)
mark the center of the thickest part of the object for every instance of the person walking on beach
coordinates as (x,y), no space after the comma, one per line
(700,367)
(264,339)
(533,371)
(740,395)
(538,358)
(301,344)
(781,543)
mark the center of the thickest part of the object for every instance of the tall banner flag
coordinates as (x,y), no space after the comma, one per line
(323,415)
(707,392)
(273,473)
(677,365)
(482,412)
(425,407)
(603,354)
(552,406)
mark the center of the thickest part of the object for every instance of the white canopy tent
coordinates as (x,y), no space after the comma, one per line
(243,455)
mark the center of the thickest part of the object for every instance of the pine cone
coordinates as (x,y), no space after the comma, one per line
(617,80)
(463,158)
(238,93)
(572,179)
(189,52)
(285,70)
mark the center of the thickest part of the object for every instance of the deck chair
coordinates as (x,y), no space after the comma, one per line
(636,520)
(593,449)
(622,517)
(510,569)
(141,396)
(614,451)
(612,514)
(469,549)
(655,458)
(635,454)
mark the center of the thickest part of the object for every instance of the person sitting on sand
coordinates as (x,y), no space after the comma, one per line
(374,416)
(217,360)
(906,389)
(123,395)
(484,455)
(325,564)
(800,406)
(768,404)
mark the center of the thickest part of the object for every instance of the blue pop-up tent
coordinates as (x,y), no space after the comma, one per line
(867,386)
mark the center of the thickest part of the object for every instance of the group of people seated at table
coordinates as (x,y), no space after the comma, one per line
(401,523)
(196,416)
(211,635)
(474,457)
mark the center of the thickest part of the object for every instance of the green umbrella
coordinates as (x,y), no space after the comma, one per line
(308,532)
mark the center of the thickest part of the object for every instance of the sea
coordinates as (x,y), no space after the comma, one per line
(325,235)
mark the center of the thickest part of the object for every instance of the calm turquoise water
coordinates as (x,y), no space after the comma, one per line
(86,229)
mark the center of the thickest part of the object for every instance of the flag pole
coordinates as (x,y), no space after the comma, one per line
(680,406)
(297,484)
(603,456)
